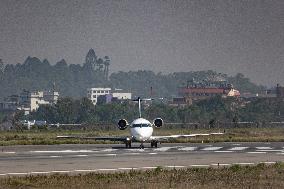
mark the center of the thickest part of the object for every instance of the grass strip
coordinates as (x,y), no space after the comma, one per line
(236,176)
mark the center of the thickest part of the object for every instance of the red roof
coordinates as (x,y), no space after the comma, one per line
(203,90)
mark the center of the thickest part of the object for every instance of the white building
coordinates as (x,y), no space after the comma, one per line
(122,95)
(93,93)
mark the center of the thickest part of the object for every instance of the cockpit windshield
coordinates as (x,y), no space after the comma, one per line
(141,125)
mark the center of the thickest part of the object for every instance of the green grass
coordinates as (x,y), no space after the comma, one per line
(260,176)
(48,137)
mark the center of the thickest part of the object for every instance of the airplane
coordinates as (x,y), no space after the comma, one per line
(141,130)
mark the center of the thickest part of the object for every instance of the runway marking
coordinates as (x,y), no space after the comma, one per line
(40,172)
(107,169)
(268,162)
(62,171)
(175,166)
(264,148)
(224,151)
(201,165)
(256,152)
(243,163)
(239,148)
(8,152)
(135,150)
(81,155)
(220,164)
(110,154)
(55,156)
(148,167)
(127,168)
(152,153)
(236,144)
(211,148)
(188,148)
(108,150)
(270,150)
(85,170)
(17,173)
(63,151)
(163,149)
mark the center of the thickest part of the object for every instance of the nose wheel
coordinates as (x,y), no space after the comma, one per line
(154,144)
(141,146)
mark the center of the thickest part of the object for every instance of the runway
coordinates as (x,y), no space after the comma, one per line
(73,159)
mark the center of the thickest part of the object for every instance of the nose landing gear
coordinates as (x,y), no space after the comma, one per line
(141,146)
(154,144)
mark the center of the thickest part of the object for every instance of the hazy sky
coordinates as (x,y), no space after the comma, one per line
(227,36)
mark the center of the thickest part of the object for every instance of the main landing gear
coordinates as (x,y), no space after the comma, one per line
(128,144)
(154,144)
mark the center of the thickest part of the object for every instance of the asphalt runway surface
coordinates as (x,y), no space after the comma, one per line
(82,158)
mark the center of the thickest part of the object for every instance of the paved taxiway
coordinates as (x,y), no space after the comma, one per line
(23,160)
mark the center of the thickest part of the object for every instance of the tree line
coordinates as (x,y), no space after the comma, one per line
(72,80)
(208,111)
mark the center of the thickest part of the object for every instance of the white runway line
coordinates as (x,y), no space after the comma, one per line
(55,156)
(135,150)
(163,149)
(148,167)
(108,150)
(201,165)
(175,166)
(107,169)
(17,173)
(239,148)
(8,152)
(188,148)
(243,163)
(63,171)
(220,164)
(256,152)
(264,148)
(127,168)
(85,170)
(211,148)
(110,154)
(228,151)
(270,150)
(63,151)
(268,162)
(82,155)
(152,153)
(40,172)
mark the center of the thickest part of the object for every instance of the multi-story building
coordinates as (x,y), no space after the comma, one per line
(29,101)
(106,95)
(94,93)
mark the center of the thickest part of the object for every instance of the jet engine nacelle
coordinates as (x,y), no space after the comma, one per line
(158,122)
(122,124)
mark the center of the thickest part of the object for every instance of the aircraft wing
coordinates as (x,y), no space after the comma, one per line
(110,138)
(183,136)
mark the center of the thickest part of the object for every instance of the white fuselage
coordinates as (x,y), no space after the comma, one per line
(141,130)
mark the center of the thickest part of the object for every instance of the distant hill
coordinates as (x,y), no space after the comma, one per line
(73,79)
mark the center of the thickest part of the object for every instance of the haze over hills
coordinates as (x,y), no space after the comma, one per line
(166,36)
(73,79)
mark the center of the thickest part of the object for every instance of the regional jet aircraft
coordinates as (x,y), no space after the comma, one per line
(141,130)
